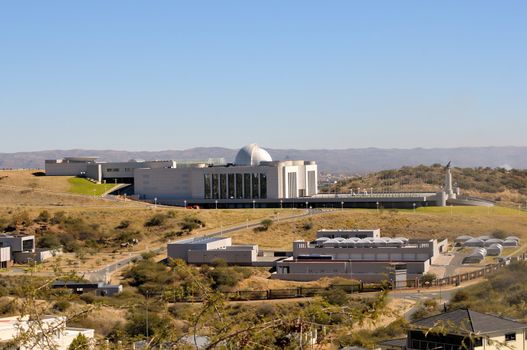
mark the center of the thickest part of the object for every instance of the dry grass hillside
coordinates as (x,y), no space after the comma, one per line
(501,185)
(424,222)
(24,188)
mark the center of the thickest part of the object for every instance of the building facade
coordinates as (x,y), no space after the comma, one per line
(368,259)
(253,176)
(205,250)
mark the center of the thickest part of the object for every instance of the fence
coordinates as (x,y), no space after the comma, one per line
(286,293)
(305,292)
(468,276)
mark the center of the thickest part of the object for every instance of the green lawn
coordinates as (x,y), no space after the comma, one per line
(83,186)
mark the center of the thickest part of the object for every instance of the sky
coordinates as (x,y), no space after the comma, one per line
(157,75)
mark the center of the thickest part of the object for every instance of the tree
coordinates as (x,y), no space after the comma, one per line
(428,278)
(80,343)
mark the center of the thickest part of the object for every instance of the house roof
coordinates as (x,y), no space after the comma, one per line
(469,321)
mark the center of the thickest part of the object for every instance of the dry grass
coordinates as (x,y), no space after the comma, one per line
(433,222)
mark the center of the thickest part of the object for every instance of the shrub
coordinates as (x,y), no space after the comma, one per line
(61,305)
(428,278)
(49,240)
(308,225)
(123,224)
(80,343)
(264,225)
(500,234)
(156,220)
(44,216)
(88,298)
(191,223)
(58,218)
(335,296)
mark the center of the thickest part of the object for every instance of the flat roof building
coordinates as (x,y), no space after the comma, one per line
(205,250)
(252,176)
(368,259)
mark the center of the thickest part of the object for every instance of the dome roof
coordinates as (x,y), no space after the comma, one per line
(252,155)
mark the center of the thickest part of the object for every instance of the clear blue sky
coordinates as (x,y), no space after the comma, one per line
(152,75)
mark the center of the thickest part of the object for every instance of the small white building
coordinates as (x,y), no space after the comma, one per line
(54,327)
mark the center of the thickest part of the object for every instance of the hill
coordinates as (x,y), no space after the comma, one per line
(497,184)
(340,161)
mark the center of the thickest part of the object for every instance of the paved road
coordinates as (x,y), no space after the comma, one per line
(441,295)
(103,273)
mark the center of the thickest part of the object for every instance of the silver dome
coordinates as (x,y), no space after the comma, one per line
(252,155)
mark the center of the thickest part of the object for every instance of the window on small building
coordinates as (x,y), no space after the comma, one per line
(510,337)
(478,342)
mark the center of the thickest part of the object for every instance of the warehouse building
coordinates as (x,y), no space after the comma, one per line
(368,259)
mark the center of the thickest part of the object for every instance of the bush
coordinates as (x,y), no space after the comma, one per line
(499,234)
(123,224)
(224,278)
(156,220)
(80,343)
(307,226)
(264,225)
(44,216)
(189,224)
(61,305)
(335,296)
(428,278)
(58,218)
(88,298)
(49,240)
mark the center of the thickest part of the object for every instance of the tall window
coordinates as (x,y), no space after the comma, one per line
(206,186)
(256,186)
(246,185)
(230,182)
(215,192)
(311,182)
(223,186)
(291,183)
(263,186)
(239,186)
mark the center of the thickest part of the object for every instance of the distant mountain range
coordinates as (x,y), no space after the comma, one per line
(341,161)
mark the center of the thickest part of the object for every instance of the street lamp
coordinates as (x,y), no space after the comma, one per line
(155,202)
(281,204)
(185,202)
(414,207)
(216,202)
(335,188)
(341,205)
(377,203)
(254,204)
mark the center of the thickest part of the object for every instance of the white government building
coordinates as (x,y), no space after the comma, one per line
(253,175)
